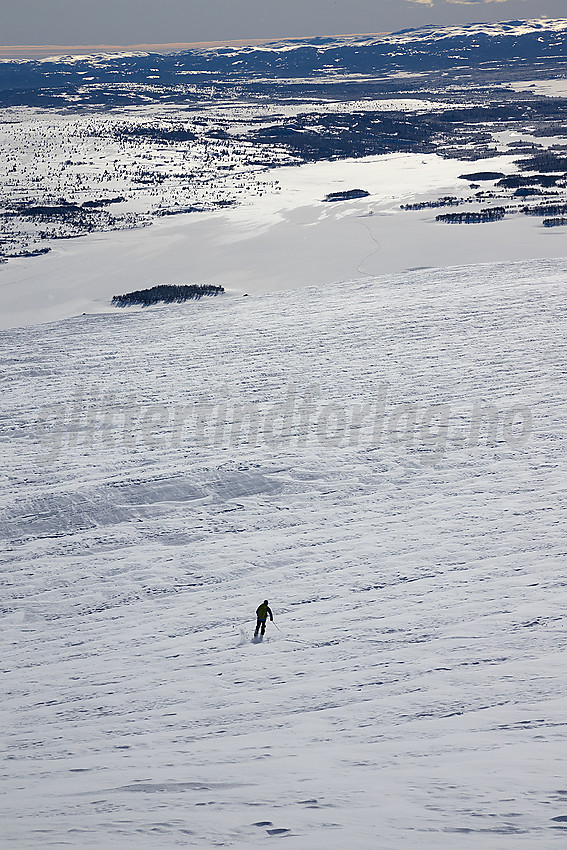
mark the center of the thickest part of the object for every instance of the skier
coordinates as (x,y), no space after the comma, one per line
(262,612)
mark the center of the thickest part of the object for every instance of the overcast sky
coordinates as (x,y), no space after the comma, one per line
(124,22)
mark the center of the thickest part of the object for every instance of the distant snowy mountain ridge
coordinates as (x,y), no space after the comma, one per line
(431,33)
(426,35)
(428,48)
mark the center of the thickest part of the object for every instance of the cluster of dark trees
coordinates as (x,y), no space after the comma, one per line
(546,161)
(63,219)
(527,191)
(518,181)
(166,294)
(155,133)
(103,202)
(554,222)
(481,175)
(449,201)
(490,214)
(59,210)
(317,136)
(33,252)
(546,209)
(45,212)
(349,195)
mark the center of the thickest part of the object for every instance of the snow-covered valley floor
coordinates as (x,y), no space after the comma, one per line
(385,461)
(285,239)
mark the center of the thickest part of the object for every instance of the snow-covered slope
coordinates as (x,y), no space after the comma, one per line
(164,471)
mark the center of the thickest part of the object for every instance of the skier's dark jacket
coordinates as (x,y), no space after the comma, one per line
(262,612)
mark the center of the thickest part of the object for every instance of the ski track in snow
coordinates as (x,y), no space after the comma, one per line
(413,693)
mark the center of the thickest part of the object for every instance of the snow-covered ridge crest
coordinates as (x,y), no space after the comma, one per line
(495,30)
(426,35)
(102,57)
(423,34)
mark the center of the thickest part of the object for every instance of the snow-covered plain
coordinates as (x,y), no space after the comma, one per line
(331,449)
(280,239)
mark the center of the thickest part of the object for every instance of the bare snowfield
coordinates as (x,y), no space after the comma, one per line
(385,461)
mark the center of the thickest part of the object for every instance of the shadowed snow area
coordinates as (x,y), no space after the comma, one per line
(385,461)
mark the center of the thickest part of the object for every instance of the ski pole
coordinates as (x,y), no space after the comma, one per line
(295,640)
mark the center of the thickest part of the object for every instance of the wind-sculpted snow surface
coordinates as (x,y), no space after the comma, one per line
(385,461)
